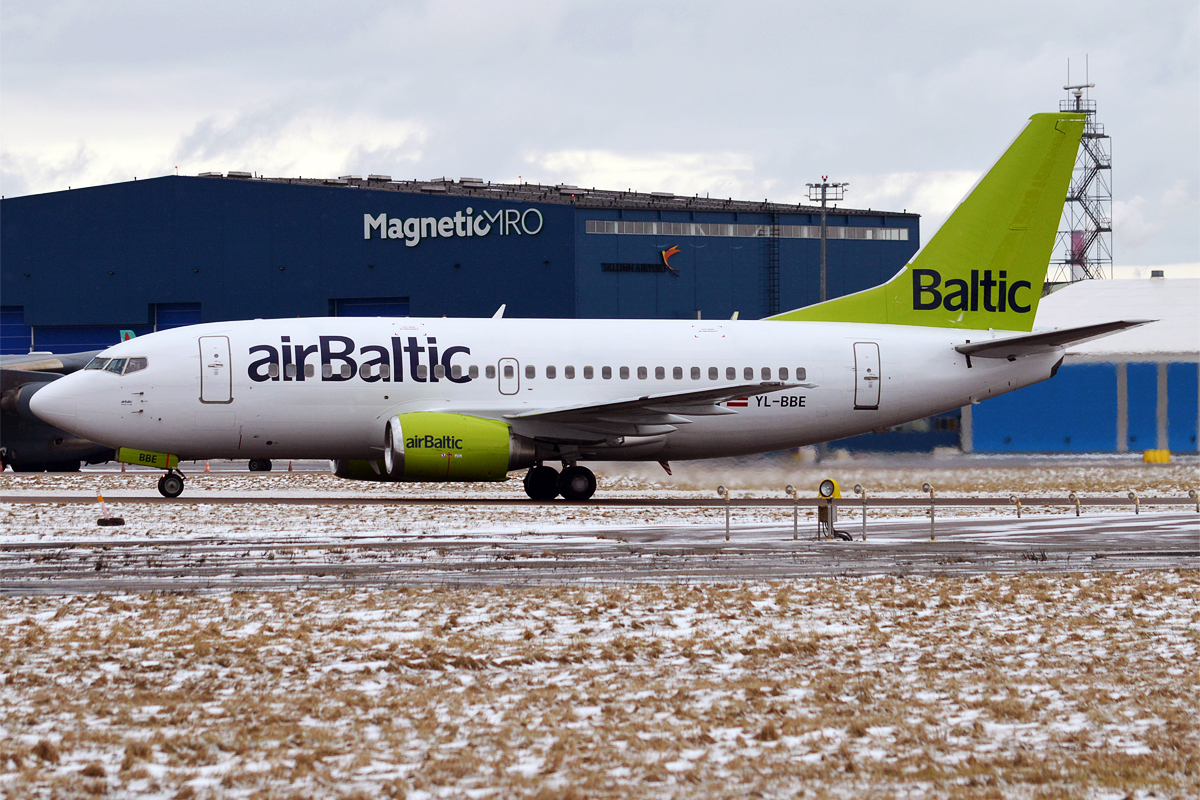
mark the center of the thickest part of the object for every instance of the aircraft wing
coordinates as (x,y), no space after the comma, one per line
(1030,344)
(47,362)
(648,415)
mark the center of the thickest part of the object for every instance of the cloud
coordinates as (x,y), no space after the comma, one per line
(1130,226)
(933,195)
(716,174)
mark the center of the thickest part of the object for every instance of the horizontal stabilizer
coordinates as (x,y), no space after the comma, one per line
(1032,344)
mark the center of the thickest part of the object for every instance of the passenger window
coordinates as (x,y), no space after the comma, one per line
(289,371)
(659,373)
(677,373)
(364,371)
(695,373)
(624,373)
(588,373)
(309,371)
(422,371)
(117,365)
(97,363)
(642,374)
(439,371)
(509,372)
(730,374)
(569,373)
(473,372)
(530,371)
(713,373)
(783,373)
(326,371)
(273,371)
(606,373)
(766,373)
(346,372)
(456,372)
(489,372)
(136,365)
(385,371)
(748,373)
(800,373)
(551,373)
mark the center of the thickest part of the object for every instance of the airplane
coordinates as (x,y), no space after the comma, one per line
(411,399)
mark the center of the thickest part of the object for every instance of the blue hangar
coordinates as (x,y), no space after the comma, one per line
(78,266)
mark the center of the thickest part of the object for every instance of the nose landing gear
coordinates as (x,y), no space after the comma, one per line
(575,483)
(171,484)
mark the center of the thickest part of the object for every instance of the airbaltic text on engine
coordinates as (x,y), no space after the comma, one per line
(412,230)
(341,360)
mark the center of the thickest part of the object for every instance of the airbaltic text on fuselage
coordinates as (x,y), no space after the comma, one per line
(412,230)
(342,360)
(958,295)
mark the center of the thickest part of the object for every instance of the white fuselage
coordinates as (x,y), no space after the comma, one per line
(238,389)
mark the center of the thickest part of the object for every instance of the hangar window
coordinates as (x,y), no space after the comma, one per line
(713,373)
(695,373)
(472,372)
(783,373)
(530,371)
(624,373)
(136,365)
(677,373)
(748,373)
(588,373)
(642,373)
(647,228)
(551,372)
(569,373)
(97,363)
(117,365)
(489,372)
(606,373)
(766,373)
(659,373)
(731,373)
(439,371)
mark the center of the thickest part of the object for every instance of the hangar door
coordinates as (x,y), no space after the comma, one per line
(216,377)
(866,375)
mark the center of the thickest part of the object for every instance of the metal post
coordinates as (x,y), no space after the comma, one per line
(1012,498)
(1137,508)
(824,237)
(791,490)
(858,489)
(1074,498)
(825,191)
(927,488)
(723,492)
(1192,494)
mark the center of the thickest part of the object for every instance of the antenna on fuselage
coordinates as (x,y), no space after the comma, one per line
(500,311)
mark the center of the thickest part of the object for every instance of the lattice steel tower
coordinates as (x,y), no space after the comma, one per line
(1083,248)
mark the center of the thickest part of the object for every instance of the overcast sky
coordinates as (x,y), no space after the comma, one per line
(908,102)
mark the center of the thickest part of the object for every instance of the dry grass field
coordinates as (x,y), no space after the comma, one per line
(990,686)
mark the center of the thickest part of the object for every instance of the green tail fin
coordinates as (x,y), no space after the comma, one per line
(985,266)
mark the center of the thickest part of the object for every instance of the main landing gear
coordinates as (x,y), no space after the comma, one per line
(171,484)
(574,483)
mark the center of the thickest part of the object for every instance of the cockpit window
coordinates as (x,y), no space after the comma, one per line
(136,364)
(117,365)
(97,363)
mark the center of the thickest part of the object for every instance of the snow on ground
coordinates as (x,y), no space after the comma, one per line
(989,686)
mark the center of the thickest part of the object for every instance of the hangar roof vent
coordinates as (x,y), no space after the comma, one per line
(379,177)
(349,177)
(471,181)
(212,175)
(238,174)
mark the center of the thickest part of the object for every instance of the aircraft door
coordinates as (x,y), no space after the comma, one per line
(867,376)
(510,378)
(216,376)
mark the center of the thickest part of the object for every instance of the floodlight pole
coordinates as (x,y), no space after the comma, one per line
(825,191)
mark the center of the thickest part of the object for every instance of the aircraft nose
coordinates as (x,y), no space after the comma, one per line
(55,404)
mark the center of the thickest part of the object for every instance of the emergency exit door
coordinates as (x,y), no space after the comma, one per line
(866,375)
(216,377)
(510,379)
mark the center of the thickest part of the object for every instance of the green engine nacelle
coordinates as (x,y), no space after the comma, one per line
(434,446)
